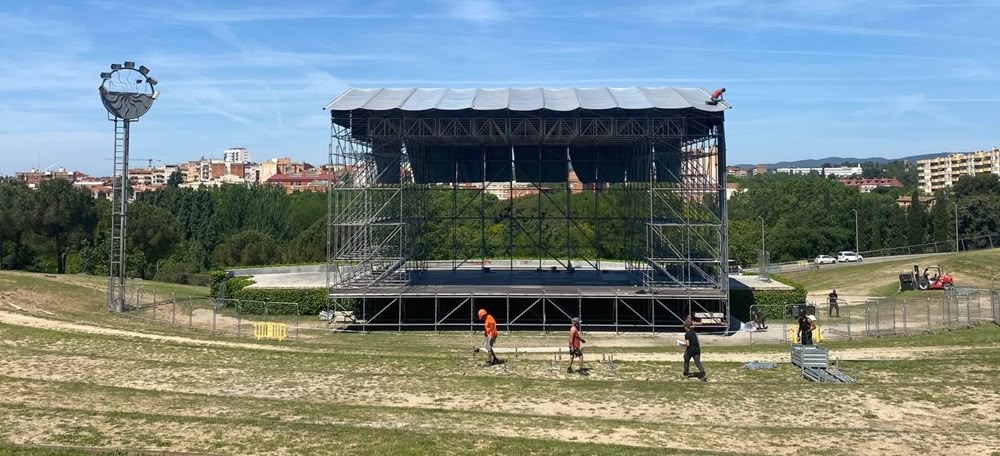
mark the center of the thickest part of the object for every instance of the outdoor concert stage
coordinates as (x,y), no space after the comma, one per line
(512,200)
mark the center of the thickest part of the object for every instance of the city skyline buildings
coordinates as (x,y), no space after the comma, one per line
(866,78)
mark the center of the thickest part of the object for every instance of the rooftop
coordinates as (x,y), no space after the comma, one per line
(598,98)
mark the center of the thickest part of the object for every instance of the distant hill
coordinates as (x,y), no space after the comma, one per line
(836,161)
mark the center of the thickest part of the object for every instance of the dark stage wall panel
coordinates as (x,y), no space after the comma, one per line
(387,155)
(536,163)
(461,164)
(541,163)
(667,160)
(599,163)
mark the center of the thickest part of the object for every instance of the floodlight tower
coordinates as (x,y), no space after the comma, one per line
(127,93)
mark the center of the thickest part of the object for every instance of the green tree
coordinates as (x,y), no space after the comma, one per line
(14,221)
(175,179)
(941,220)
(980,184)
(62,214)
(247,248)
(309,246)
(916,220)
(152,231)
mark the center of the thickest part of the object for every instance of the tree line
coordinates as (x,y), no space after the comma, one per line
(806,216)
(178,232)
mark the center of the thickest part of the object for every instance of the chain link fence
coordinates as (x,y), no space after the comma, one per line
(930,311)
(877,317)
(228,317)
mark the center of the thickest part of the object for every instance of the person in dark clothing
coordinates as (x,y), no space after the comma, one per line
(758,320)
(805,329)
(692,350)
(834,305)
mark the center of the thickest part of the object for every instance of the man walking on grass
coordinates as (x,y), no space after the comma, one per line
(834,305)
(489,335)
(574,345)
(692,350)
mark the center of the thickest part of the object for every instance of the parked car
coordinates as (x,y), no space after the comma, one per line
(825,259)
(848,257)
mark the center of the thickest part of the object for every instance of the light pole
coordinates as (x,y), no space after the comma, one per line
(956,224)
(761,234)
(127,92)
(857,247)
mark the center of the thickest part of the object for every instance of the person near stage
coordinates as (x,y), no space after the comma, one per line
(806,327)
(834,305)
(574,345)
(692,350)
(758,320)
(489,335)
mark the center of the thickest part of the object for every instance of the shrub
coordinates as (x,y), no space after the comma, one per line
(216,279)
(282,301)
(770,302)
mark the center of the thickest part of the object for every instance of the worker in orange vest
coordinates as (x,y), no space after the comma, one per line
(489,335)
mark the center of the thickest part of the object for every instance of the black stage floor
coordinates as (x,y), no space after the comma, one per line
(527,283)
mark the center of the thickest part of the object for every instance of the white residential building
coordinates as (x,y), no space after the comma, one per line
(934,174)
(839,171)
(236,155)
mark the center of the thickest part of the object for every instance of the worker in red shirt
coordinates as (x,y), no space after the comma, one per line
(574,345)
(717,96)
(490,335)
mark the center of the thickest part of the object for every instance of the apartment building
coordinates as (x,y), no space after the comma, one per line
(34,176)
(736,171)
(236,155)
(933,174)
(867,185)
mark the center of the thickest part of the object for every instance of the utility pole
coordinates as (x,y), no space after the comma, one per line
(761,234)
(857,248)
(956,224)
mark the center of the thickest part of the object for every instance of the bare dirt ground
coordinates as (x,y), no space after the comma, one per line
(90,380)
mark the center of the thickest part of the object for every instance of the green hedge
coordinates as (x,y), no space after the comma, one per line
(304,301)
(770,302)
(216,279)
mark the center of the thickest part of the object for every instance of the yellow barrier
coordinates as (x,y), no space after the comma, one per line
(793,335)
(274,331)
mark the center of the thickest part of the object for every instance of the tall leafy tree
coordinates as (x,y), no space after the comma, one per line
(916,220)
(14,220)
(152,231)
(62,214)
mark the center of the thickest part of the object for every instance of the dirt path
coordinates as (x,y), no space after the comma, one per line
(12,318)
(544,352)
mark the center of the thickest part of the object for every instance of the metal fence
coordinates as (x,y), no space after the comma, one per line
(877,317)
(230,317)
(934,310)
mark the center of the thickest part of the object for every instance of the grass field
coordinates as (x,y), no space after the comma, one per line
(979,268)
(76,380)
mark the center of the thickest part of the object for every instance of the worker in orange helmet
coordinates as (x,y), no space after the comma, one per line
(490,335)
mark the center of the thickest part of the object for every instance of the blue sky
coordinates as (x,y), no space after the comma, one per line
(808,79)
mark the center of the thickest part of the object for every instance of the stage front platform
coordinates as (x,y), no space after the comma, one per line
(532,300)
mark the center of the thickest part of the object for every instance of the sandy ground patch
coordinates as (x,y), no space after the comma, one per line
(45,323)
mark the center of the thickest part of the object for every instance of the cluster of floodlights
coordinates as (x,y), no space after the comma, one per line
(130,66)
(126,91)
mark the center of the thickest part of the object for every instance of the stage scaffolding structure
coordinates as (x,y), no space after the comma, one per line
(615,215)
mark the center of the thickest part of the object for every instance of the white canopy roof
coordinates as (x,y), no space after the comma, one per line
(524,99)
